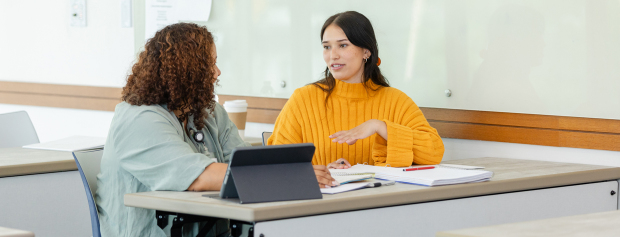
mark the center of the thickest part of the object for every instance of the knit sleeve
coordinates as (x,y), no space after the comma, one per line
(287,128)
(411,140)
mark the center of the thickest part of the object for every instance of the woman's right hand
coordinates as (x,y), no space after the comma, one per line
(324,177)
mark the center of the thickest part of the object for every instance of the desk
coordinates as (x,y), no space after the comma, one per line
(41,191)
(602,224)
(254,141)
(520,190)
(6,232)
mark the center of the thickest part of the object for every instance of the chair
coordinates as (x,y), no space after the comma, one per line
(16,130)
(89,165)
(266,136)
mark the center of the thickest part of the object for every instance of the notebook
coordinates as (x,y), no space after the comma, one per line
(75,143)
(431,177)
(344,188)
(343,179)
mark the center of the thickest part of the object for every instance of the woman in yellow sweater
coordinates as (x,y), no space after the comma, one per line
(353,115)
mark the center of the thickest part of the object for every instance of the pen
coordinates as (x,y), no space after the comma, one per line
(379,184)
(419,168)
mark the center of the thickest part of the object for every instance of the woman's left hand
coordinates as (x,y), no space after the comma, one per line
(362,131)
(341,163)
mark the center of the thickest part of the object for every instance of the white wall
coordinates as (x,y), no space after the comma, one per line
(57,123)
(463,149)
(37,43)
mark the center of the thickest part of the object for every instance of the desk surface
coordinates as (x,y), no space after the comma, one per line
(7,232)
(20,161)
(600,224)
(254,141)
(510,175)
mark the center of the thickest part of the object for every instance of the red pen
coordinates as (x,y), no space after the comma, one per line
(419,168)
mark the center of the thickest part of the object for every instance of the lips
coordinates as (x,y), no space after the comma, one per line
(336,66)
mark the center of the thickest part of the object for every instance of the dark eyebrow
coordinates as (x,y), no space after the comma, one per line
(340,40)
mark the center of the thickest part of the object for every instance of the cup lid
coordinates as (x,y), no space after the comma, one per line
(235,103)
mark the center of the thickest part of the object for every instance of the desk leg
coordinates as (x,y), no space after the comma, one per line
(182,219)
(236,227)
(162,218)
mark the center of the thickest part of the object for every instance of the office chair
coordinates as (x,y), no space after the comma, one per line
(266,136)
(89,165)
(16,130)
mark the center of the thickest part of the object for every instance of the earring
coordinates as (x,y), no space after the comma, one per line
(365,60)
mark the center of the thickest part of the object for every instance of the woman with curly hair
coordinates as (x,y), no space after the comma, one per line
(168,133)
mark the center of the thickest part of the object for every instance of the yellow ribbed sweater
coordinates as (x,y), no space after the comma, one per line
(411,140)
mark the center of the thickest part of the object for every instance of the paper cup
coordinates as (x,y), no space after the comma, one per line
(238,113)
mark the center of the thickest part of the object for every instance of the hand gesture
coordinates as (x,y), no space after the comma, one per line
(362,131)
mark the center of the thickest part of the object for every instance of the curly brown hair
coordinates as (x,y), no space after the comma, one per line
(176,68)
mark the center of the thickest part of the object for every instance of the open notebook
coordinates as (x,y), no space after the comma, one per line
(431,177)
(343,179)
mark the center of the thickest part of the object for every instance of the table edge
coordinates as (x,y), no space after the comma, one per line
(37,168)
(406,198)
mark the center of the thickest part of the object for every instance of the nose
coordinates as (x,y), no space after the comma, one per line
(334,54)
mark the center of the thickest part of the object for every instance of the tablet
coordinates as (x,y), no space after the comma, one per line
(271,173)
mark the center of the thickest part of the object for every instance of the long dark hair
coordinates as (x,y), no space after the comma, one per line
(360,33)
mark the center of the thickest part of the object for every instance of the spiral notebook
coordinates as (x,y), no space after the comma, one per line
(348,178)
(431,177)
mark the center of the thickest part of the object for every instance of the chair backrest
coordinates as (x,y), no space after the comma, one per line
(16,130)
(89,165)
(266,136)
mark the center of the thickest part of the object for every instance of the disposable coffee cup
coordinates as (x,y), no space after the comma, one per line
(238,113)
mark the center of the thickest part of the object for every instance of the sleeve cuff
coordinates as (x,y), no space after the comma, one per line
(193,171)
(399,151)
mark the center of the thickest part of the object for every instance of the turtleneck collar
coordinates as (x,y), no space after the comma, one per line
(354,90)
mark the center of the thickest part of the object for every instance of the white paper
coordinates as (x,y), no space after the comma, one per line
(159,14)
(344,188)
(193,10)
(75,143)
(429,177)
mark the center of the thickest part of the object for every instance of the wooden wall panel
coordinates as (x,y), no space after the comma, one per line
(547,130)
(63,96)
(534,136)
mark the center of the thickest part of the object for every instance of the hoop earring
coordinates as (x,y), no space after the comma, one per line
(365,60)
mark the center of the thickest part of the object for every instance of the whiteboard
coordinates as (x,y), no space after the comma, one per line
(553,57)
